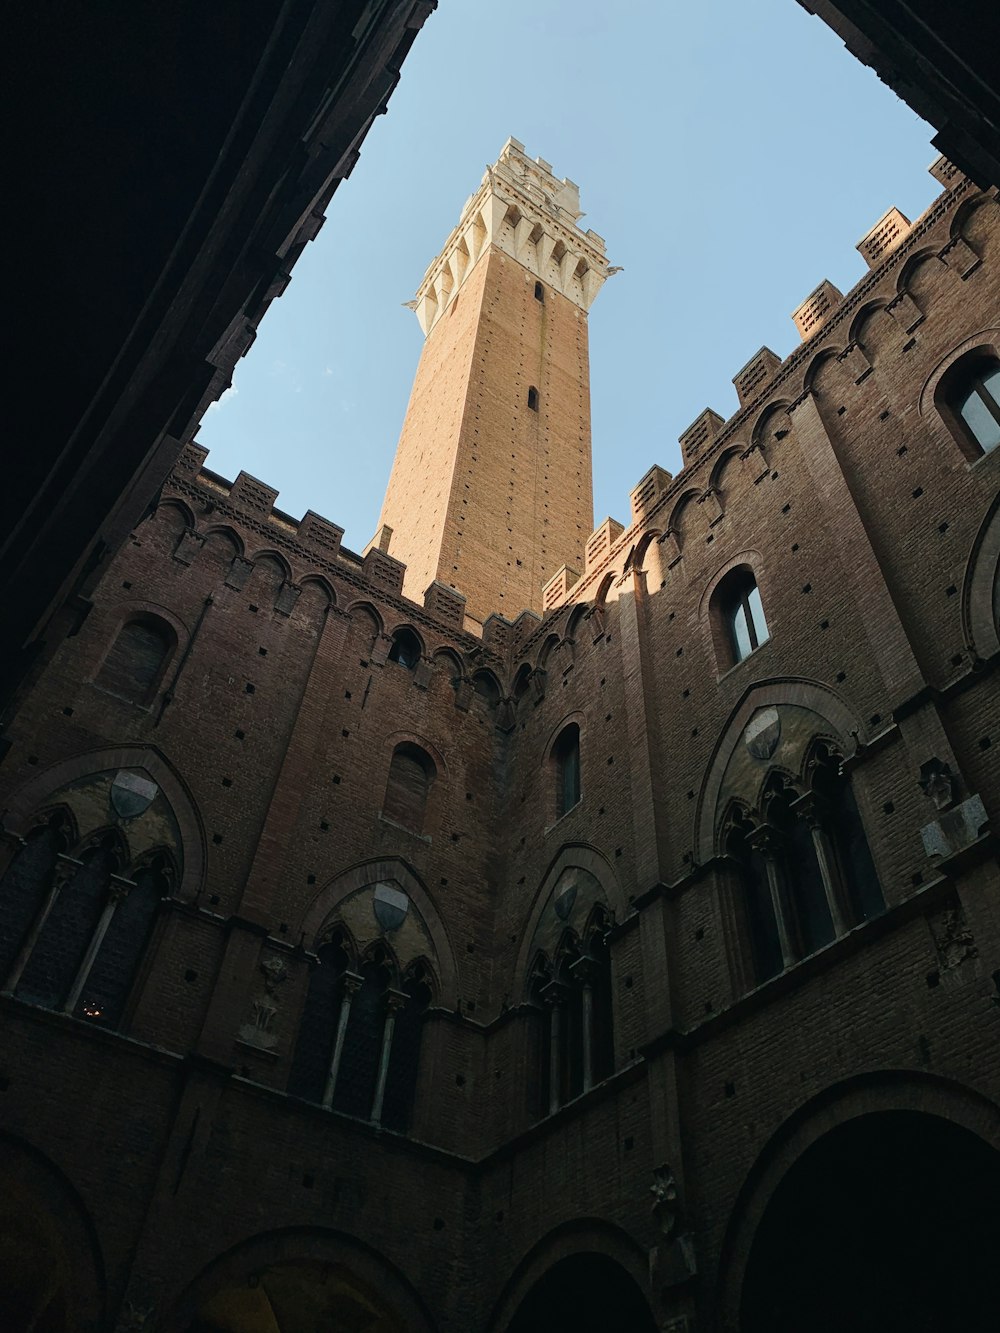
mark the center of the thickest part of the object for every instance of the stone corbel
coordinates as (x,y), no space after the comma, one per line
(422,673)
(712,500)
(288,595)
(905,311)
(857,364)
(239,571)
(671,547)
(959,255)
(464,691)
(380,650)
(188,546)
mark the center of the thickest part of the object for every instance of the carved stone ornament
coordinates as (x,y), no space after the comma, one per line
(275,972)
(954,940)
(666,1205)
(763,732)
(390,906)
(132,793)
(937,782)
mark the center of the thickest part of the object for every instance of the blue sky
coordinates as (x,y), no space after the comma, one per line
(731,154)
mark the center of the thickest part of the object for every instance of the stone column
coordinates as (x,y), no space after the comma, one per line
(66,868)
(583,971)
(769,844)
(394,1000)
(352,984)
(812,809)
(117,890)
(553,994)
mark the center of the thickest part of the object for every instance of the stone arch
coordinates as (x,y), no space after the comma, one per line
(323,584)
(317,1253)
(642,546)
(965,210)
(408,627)
(579,854)
(370,610)
(682,504)
(582,1236)
(449,658)
(773,409)
(133,610)
(816,364)
(811,695)
(268,555)
(551,642)
(176,503)
(43,786)
(751,558)
(981,588)
(986,340)
(913,262)
(225,536)
(328,900)
(863,1095)
(721,463)
(49,1247)
(862,317)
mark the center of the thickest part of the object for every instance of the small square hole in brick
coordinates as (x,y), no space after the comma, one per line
(254,608)
(884,416)
(336,779)
(629,1143)
(262,652)
(699,934)
(32,758)
(932,979)
(308,1181)
(345,733)
(918,492)
(601,810)
(127,584)
(671,616)
(690,795)
(685,694)
(795,546)
(324,826)
(213,900)
(841,677)
(227,782)
(951,590)
(250,689)
(679,653)
(240,735)
(916,879)
(943,527)
(774,476)
(730,1088)
(807,587)
(710,538)
(875,719)
(310,879)
(985,742)
(611,759)
(216,838)
(694,731)
(686,858)
(347,694)
(957,659)
(607,717)
(909,346)
(455,837)
(901,451)
(888,808)
(190,975)
(67,712)
(785,509)
(824,624)
(603,678)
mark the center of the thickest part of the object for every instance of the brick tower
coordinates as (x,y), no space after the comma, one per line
(490,491)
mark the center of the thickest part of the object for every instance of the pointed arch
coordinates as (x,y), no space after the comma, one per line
(812,695)
(862,316)
(325,906)
(777,408)
(223,535)
(816,363)
(269,556)
(981,588)
(368,609)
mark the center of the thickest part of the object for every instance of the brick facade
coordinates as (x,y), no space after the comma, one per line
(177,1172)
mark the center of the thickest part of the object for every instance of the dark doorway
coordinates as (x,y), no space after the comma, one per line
(888,1224)
(586,1293)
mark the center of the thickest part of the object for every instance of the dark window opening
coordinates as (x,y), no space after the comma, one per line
(737,604)
(533,398)
(405,648)
(137,659)
(411,772)
(318,1026)
(539,292)
(971,399)
(566,759)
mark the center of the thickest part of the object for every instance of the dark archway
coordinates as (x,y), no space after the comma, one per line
(297,1297)
(584,1293)
(888,1222)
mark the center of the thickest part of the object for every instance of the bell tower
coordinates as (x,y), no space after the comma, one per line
(490,491)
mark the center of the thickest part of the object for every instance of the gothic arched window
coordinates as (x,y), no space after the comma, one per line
(969,401)
(23,889)
(411,772)
(358,1071)
(312,1063)
(739,613)
(405,648)
(566,765)
(137,659)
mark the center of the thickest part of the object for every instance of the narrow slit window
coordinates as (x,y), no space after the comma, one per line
(533,398)
(539,292)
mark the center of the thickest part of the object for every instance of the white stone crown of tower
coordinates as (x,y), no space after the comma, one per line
(526,211)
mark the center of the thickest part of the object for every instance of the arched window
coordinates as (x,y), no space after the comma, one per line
(806,870)
(404,1055)
(312,1063)
(485,686)
(112,975)
(405,648)
(969,401)
(358,1070)
(739,613)
(411,772)
(24,887)
(566,763)
(137,659)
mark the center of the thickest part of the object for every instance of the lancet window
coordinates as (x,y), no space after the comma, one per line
(805,868)
(75,921)
(358,1047)
(571,994)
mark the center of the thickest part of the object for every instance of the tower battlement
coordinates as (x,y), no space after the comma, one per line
(524,209)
